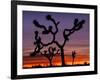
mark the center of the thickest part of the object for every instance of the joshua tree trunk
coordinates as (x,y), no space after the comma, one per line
(50,62)
(73,62)
(62,56)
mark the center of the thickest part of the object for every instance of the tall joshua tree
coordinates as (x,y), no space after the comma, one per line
(77,25)
(50,53)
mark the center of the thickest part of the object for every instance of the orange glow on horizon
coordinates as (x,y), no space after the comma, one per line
(29,62)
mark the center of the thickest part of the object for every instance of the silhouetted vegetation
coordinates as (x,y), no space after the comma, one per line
(77,25)
(85,63)
(73,56)
(50,54)
(39,66)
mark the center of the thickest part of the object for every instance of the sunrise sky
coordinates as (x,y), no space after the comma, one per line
(79,41)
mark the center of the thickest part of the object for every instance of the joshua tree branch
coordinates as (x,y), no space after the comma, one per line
(36,23)
(48,17)
(67,32)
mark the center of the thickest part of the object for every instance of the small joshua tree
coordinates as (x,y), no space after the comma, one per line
(50,54)
(73,57)
(77,25)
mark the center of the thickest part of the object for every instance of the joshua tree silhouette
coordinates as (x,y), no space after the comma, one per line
(77,25)
(73,56)
(50,54)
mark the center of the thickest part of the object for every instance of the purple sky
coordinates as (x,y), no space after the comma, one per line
(78,41)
